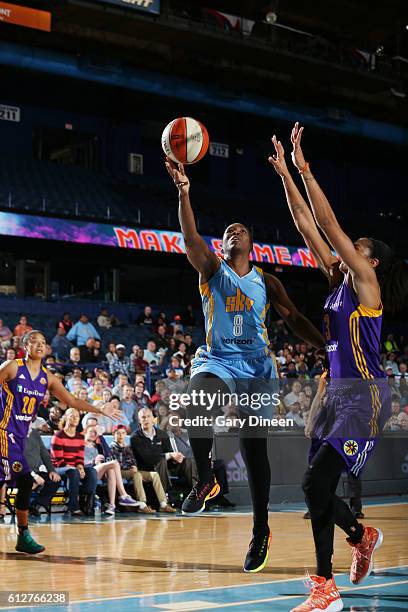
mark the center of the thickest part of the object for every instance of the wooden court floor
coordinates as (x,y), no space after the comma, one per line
(101,558)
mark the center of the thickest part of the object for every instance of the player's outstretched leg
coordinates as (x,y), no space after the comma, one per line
(25,541)
(253,445)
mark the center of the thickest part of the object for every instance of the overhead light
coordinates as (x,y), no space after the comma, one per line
(271,17)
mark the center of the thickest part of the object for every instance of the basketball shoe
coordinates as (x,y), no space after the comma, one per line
(362,554)
(27,544)
(324,596)
(199,494)
(258,552)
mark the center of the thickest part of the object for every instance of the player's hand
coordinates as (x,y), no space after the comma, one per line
(178,176)
(110,411)
(54,476)
(278,160)
(298,158)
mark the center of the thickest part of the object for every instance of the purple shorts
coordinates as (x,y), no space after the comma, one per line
(12,460)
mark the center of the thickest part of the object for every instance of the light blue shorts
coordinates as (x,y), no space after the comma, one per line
(246,374)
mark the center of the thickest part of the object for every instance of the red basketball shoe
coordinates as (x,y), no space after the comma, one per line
(323,596)
(362,554)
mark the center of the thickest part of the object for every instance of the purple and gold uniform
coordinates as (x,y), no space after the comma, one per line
(19,402)
(358,397)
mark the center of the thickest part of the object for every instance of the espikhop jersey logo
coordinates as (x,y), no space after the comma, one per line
(350,447)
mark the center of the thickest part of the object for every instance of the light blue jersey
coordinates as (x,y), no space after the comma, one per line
(237,349)
(235,310)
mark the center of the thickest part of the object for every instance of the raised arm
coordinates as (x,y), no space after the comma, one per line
(198,254)
(303,218)
(363,274)
(299,324)
(60,392)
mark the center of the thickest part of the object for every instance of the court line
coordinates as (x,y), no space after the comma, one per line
(282,598)
(229,586)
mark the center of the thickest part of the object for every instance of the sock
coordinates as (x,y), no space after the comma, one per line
(357,534)
(255,455)
(22,521)
(201,448)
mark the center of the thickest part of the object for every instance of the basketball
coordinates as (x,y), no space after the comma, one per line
(185,140)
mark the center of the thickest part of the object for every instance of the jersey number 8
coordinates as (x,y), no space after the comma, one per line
(238,325)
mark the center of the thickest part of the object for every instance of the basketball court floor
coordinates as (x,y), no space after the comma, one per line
(183,564)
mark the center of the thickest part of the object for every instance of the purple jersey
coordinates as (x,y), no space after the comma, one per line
(352,333)
(20,399)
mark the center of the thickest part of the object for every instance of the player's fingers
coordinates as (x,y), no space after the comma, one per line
(300,134)
(181,169)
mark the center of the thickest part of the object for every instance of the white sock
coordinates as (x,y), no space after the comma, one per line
(142,505)
(163,504)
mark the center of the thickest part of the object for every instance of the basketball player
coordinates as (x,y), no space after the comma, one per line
(23,385)
(236,297)
(364,279)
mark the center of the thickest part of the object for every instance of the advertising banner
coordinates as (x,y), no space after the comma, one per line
(165,241)
(148,6)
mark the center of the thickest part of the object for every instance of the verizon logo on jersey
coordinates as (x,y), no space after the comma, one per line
(238,302)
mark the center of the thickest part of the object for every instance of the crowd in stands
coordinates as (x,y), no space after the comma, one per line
(140,380)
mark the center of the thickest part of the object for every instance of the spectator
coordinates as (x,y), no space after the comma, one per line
(184,464)
(87,351)
(120,363)
(152,450)
(139,363)
(146,317)
(160,385)
(95,391)
(294,414)
(173,382)
(16,345)
(161,338)
(75,382)
(142,397)
(110,469)
(402,419)
(67,452)
(392,363)
(10,354)
(128,405)
(188,317)
(175,366)
(46,479)
(150,353)
(176,323)
(23,327)
(74,360)
(106,320)
(54,418)
(81,331)
(65,322)
(111,352)
(190,346)
(122,380)
(60,345)
(390,344)
(181,355)
(124,455)
(293,396)
(162,415)
(5,334)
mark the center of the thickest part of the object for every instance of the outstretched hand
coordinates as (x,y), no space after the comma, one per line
(178,176)
(298,158)
(110,411)
(278,160)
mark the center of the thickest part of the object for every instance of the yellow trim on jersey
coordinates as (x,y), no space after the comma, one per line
(44,369)
(206,292)
(3,443)
(376,405)
(9,404)
(354,326)
(20,362)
